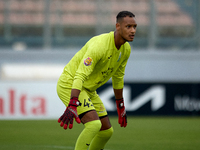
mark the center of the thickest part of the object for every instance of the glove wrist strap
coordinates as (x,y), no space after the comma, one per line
(119,99)
(74,102)
(120,102)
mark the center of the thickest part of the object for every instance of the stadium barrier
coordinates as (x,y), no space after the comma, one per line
(39,100)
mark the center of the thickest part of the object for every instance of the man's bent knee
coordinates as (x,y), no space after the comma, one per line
(109,132)
(94,125)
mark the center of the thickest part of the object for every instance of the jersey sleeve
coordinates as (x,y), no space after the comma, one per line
(118,77)
(87,65)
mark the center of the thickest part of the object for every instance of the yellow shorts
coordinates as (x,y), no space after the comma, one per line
(89,100)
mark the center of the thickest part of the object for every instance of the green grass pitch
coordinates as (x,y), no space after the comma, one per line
(142,133)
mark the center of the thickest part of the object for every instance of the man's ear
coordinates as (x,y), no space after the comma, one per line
(117,26)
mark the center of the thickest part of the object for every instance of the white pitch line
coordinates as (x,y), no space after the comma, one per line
(58,147)
(50,146)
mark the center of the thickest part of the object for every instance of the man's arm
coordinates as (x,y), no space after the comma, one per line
(122,118)
(75,93)
(118,93)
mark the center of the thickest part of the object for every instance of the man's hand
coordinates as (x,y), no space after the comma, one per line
(122,117)
(70,113)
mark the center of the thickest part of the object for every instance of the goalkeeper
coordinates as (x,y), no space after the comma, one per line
(101,58)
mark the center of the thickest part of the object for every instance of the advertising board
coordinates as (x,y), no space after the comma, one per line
(156,98)
(39,100)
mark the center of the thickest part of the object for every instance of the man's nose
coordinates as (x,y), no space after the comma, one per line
(133,29)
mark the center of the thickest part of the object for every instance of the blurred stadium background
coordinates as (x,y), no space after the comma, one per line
(38,38)
(162,24)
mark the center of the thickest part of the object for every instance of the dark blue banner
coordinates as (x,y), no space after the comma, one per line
(155,98)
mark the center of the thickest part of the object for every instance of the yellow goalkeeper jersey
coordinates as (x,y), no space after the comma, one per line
(97,62)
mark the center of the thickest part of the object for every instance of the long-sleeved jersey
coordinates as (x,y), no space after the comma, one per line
(97,62)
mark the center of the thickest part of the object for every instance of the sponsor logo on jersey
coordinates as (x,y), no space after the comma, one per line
(88,61)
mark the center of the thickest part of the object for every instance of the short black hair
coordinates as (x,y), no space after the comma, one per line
(123,14)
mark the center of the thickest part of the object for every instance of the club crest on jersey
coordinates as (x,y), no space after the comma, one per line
(88,61)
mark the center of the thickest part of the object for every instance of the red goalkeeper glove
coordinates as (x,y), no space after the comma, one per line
(70,113)
(122,117)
